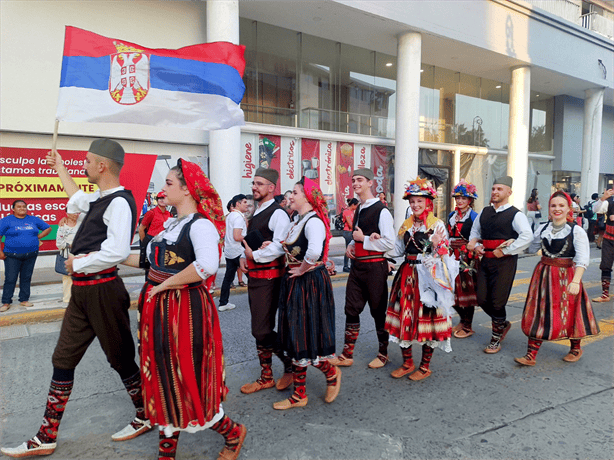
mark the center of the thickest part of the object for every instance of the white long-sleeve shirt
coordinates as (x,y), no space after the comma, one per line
(118,219)
(278,224)
(520,224)
(386,229)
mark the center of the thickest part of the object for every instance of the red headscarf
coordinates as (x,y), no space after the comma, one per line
(207,200)
(562,194)
(316,199)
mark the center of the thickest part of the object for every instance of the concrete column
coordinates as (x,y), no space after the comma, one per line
(591,143)
(224,144)
(409,55)
(518,141)
(457,167)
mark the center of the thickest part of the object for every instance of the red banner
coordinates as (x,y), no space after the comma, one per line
(24,175)
(310,159)
(379,155)
(268,150)
(345,163)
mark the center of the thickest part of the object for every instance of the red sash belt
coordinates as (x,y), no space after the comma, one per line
(268,270)
(557,262)
(364,255)
(90,279)
(312,267)
(412,260)
(156,277)
(609,232)
(490,246)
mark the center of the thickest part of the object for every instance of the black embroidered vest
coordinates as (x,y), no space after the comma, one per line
(260,221)
(554,247)
(298,248)
(174,257)
(368,218)
(498,225)
(93,230)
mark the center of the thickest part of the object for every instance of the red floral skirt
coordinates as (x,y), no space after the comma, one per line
(550,313)
(182,359)
(406,318)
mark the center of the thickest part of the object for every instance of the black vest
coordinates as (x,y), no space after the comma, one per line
(498,225)
(557,244)
(174,257)
(368,218)
(415,245)
(93,230)
(260,221)
(610,212)
(465,227)
(298,249)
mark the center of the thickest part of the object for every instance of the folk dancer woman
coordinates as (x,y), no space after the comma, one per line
(460,222)
(181,351)
(422,294)
(557,305)
(306,316)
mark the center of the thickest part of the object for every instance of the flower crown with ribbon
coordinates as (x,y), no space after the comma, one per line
(464,188)
(420,187)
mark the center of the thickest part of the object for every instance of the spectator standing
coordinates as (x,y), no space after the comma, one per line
(67,229)
(236,229)
(534,210)
(153,222)
(591,216)
(577,210)
(348,220)
(23,234)
(251,207)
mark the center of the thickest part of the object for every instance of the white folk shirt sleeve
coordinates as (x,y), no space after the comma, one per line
(536,244)
(476,228)
(116,247)
(278,224)
(386,228)
(521,225)
(582,247)
(205,239)
(602,207)
(315,231)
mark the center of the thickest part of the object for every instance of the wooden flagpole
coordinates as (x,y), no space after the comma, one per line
(54,142)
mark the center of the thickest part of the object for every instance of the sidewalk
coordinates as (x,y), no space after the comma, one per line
(46,291)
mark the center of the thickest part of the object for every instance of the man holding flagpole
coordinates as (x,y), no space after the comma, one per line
(99,303)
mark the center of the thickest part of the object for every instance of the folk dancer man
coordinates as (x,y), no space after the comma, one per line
(265,265)
(99,303)
(367,281)
(605,205)
(499,234)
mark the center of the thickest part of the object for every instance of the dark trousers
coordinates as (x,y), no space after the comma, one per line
(98,311)
(22,266)
(592,224)
(495,278)
(231,270)
(607,256)
(263,295)
(347,236)
(368,282)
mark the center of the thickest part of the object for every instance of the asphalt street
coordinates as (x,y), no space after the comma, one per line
(474,406)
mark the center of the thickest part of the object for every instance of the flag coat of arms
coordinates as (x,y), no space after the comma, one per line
(106,80)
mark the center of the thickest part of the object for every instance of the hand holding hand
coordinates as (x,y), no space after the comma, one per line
(296,271)
(243,264)
(358,235)
(375,236)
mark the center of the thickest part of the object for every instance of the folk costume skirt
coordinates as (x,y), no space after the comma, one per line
(464,290)
(182,360)
(407,320)
(550,313)
(306,317)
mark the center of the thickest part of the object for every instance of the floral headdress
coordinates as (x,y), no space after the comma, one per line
(464,188)
(316,199)
(562,194)
(207,199)
(420,187)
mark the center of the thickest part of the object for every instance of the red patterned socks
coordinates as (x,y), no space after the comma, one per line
(329,371)
(408,361)
(265,355)
(167,447)
(231,432)
(351,336)
(133,386)
(533,348)
(59,393)
(427,354)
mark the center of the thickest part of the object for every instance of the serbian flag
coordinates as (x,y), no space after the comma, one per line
(106,80)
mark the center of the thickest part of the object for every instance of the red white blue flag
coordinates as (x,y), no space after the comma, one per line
(106,80)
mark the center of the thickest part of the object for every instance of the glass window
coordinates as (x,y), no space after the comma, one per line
(542,123)
(356,89)
(384,104)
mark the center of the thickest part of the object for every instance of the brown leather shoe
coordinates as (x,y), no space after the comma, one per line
(284,382)
(601,299)
(341,361)
(493,347)
(572,357)
(258,385)
(402,371)
(227,454)
(332,391)
(463,334)
(525,361)
(420,374)
(287,404)
(379,361)
(458,327)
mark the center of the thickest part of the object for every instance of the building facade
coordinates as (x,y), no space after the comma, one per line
(441,89)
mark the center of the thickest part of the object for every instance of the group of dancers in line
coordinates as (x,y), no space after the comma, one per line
(468,261)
